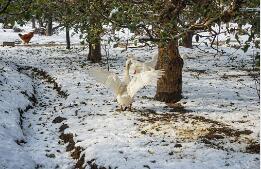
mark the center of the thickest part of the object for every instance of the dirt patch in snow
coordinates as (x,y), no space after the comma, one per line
(187,127)
(253,148)
(58,119)
(76,152)
(63,127)
(41,74)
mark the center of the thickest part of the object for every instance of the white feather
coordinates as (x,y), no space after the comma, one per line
(126,90)
(109,79)
(143,79)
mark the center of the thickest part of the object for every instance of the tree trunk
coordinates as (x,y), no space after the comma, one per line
(95,39)
(68,43)
(95,51)
(49,31)
(169,87)
(187,40)
(33,22)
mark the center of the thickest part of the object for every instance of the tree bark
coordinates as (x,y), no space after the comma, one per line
(169,87)
(187,40)
(95,51)
(68,42)
(33,22)
(95,39)
(49,29)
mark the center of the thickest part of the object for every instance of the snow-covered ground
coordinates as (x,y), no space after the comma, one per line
(72,121)
(16,89)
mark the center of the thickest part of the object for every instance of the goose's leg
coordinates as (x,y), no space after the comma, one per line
(121,108)
(130,107)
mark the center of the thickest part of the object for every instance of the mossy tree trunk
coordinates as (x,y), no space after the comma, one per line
(169,87)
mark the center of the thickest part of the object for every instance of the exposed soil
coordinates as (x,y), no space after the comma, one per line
(253,148)
(58,119)
(189,127)
(76,152)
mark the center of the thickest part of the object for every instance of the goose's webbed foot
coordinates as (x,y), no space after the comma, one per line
(125,108)
(130,107)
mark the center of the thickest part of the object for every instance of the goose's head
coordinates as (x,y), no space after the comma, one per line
(128,63)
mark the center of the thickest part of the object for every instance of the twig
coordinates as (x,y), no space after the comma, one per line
(257,82)
(107,53)
(202,49)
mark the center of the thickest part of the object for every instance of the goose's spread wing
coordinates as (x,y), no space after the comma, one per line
(107,78)
(143,79)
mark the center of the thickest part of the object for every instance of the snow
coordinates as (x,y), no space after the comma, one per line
(12,99)
(219,93)
(58,38)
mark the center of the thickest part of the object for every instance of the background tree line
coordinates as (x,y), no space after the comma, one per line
(164,22)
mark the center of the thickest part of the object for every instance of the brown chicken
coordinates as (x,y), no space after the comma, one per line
(26,37)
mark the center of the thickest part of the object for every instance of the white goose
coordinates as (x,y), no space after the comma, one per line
(139,66)
(125,90)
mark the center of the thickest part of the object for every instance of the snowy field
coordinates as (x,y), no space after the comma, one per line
(54,115)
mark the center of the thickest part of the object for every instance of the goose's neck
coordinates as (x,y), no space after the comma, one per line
(127,74)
